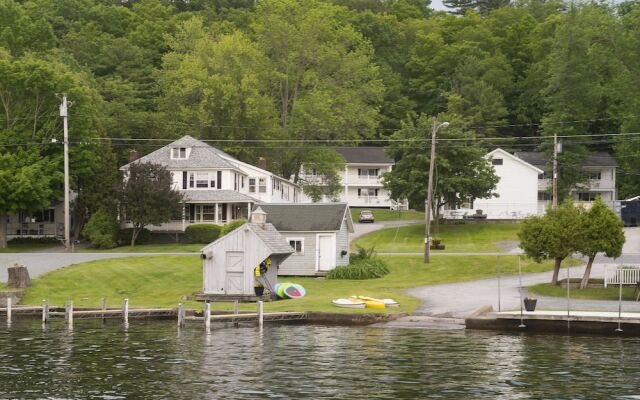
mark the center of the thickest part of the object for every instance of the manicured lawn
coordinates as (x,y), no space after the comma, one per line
(28,247)
(162,281)
(610,293)
(456,238)
(150,248)
(387,215)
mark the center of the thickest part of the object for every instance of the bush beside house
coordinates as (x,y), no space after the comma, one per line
(231,226)
(202,233)
(101,230)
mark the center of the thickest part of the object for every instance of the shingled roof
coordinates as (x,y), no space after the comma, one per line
(217,195)
(267,233)
(539,159)
(202,156)
(364,155)
(307,217)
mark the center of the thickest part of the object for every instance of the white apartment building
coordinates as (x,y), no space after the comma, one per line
(218,188)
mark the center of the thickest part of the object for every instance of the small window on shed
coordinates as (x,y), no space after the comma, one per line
(297,244)
(496,161)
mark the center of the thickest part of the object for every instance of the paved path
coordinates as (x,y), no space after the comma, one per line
(461,299)
(362,229)
(40,263)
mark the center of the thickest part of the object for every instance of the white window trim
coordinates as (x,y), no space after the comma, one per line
(297,239)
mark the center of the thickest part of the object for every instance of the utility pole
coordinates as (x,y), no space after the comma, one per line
(432,163)
(556,150)
(67,216)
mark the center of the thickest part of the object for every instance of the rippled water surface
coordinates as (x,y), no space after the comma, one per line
(154,360)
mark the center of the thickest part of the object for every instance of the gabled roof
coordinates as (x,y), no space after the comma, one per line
(307,217)
(268,234)
(517,159)
(539,159)
(202,156)
(364,155)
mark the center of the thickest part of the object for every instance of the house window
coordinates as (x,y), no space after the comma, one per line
(179,153)
(368,192)
(593,175)
(364,172)
(496,161)
(209,213)
(587,196)
(297,244)
(202,180)
(242,182)
(262,183)
(543,196)
(252,185)
(191,180)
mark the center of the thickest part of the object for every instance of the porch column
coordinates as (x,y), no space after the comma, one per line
(216,218)
(248,211)
(184,223)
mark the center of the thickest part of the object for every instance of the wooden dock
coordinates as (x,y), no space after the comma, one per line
(69,313)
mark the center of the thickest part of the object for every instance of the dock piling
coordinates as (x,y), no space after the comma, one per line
(45,311)
(104,308)
(207,316)
(260,313)
(9,301)
(125,311)
(236,311)
(69,313)
(181,315)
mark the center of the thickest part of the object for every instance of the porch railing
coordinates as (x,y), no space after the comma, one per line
(625,274)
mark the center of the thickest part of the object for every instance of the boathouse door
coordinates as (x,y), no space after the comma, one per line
(235,272)
(326,254)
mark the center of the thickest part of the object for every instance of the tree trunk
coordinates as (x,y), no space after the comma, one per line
(134,235)
(18,277)
(556,271)
(587,273)
(3,231)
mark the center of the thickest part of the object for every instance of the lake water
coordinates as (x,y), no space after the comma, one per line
(154,360)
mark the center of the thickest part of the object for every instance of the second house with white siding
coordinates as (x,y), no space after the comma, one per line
(318,234)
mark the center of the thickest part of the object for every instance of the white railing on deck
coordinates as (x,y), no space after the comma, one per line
(615,274)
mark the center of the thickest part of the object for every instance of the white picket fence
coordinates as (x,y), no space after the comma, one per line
(625,274)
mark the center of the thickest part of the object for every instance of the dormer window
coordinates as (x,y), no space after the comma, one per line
(179,153)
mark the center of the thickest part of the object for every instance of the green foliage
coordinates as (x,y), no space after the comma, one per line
(202,233)
(232,226)
(327,165)
(362,253)
(148,197)
(34,240)
(368,268)
(102,230)
(125,235)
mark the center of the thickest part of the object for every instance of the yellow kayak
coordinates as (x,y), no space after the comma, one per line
(385,302)
(370,302)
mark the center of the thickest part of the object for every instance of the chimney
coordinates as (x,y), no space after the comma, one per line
(133,155)
(262,163)
(258,216)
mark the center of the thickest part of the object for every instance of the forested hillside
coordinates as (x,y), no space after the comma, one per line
(284,79)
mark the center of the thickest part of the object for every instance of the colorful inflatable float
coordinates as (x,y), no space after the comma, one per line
(289,290)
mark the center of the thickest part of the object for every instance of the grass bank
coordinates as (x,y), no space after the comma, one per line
(484,237)
(610,293)
(387,215)
(149,248)
(162,281)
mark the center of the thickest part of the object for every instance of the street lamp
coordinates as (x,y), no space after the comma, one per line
(432,162)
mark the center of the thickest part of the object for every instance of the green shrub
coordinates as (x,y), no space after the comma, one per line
(143,237)
(362,253)
(202,233)
(101,230)
(362,269)
(34,240)
(232,226)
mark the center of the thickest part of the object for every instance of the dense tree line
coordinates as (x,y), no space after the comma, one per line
(291,77)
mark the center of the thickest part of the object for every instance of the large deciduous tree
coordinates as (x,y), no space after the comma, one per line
(147,197)
(600,231)
(556,235)
(462,171)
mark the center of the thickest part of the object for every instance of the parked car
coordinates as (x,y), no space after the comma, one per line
(366,216)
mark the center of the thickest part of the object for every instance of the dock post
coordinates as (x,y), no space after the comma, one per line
(180,315)
(207,316)
(104,308)
(125,311)
(9,301)
(260,313)
(69,313)
(236,310)
(45,311)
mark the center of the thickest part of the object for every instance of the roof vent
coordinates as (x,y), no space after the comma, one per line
(258,216)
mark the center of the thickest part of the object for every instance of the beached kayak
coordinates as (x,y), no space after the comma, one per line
(348,303)
(386,302)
